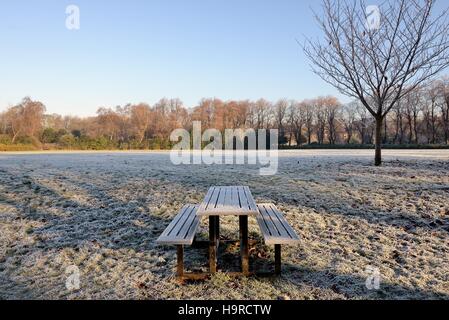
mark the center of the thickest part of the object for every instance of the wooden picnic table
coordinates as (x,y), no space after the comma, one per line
(228,201)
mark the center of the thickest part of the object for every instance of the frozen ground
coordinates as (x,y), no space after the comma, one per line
(103,213)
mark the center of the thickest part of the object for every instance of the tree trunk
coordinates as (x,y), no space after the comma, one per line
(15,137)
(378,141)
(410,129)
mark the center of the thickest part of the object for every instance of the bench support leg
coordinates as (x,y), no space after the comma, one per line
(277,259)
(213,244)
(180,256)
(244,250)
(217,229)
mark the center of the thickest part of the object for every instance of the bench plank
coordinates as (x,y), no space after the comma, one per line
(250,199)
(274,227)
(277,222)
(208,198)
(213,200)
(235,198)
(242,199)
(182,230)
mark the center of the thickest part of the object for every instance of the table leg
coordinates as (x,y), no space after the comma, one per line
(217,229)
(277,259)
(244,250)
(180,258)
(213,244)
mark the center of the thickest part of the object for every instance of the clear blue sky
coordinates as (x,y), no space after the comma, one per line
(142,50)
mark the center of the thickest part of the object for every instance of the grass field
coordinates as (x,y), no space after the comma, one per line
(102,212)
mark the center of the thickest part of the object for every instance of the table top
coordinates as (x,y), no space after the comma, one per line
(228,201)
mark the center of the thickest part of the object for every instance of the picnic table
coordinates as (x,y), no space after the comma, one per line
(227,201)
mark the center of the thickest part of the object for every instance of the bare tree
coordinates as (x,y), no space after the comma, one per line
(25,119)
(398,110)
(430,112)
(297,120)
(364,124)
(261,111)
(141,118)
(332,108)
(444,92)
(280,114)
(308,119)
(3,123)
(411,108)
(379,66)
(347,118)
(320,117)
(108,123)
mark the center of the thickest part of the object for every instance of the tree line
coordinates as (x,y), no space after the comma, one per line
(421,117)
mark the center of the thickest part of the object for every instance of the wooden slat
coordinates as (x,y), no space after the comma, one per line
(182,230)
(250,199)
(207,199)
(180,216)
(213,200)
(221,199)
(262,224)
(235,198)
(285,224)
(274,227)
(279,227)
(243,199)
(228,199)
(271,228)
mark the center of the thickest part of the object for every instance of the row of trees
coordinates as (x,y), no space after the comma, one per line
(421,117)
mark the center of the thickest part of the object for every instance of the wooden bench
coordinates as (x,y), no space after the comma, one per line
(181,232)
(276,231)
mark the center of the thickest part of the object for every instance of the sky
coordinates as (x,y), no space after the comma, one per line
(142,50)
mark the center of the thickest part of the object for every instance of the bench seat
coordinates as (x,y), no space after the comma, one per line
(276,231)
(274,227)
(182,230)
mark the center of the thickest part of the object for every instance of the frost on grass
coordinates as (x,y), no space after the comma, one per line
(103,213)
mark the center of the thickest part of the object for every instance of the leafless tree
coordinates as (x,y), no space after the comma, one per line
(379,66)
(320,116)
(308,119)
(3,123)
(332,109)
(411,108)
(297,120)
(444,105)
(347,119)
(25,119)
(430,112)
(280,112)
(398,111)
(261,112)
(364,124)
(141,119)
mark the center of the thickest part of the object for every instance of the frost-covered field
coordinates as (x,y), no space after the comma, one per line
(103,213)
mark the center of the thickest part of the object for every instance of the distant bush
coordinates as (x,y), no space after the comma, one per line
(24,140)
(67,141)
(5,139)
(17,147)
